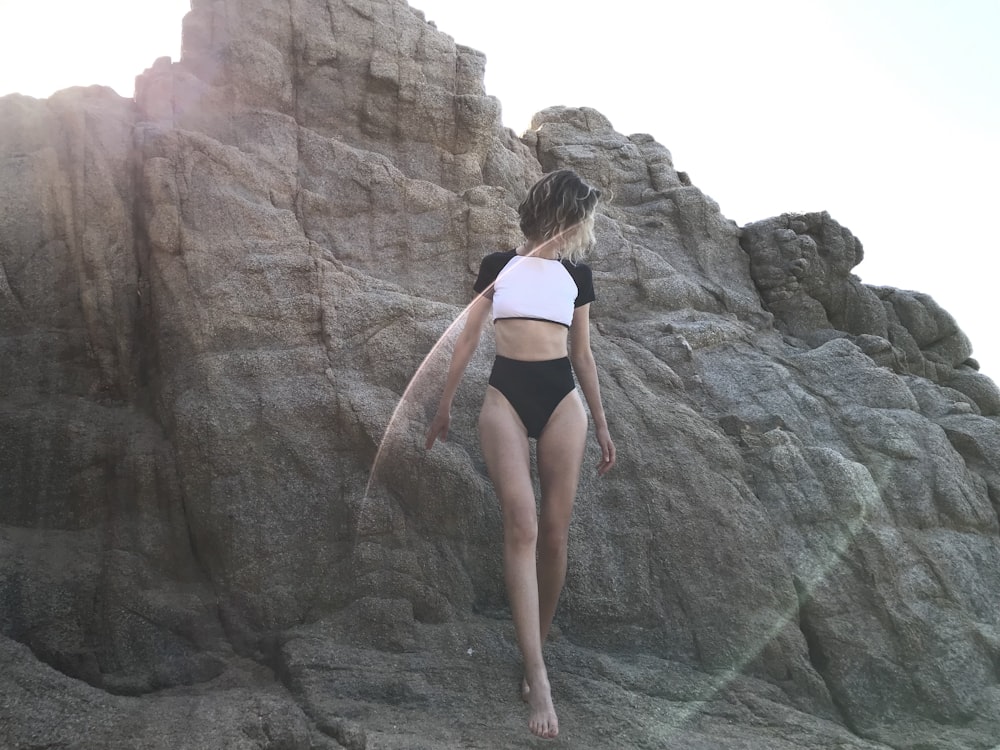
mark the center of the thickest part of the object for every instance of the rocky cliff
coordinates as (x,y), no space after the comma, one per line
(225,307)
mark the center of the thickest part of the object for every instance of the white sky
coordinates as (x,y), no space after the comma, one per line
(886,113)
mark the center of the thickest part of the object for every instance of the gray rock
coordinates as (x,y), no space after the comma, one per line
(226,308)
(801,264)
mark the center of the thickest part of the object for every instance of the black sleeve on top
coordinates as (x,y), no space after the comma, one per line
(584,283)
(489,269)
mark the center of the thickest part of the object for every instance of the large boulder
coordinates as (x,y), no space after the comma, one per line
(226,309)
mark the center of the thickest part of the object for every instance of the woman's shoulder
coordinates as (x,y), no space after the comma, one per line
(584,280)
(497,260)
(577,270)
(490,268)
(500,255)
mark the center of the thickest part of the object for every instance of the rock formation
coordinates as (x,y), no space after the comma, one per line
(225,307)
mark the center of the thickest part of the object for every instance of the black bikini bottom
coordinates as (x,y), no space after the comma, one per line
(534,389)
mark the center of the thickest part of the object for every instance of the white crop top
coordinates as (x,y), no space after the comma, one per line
(535,288)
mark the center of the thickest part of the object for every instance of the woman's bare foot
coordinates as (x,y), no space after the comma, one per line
(543,721)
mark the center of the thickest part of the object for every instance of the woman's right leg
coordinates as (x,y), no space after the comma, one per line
(504,444)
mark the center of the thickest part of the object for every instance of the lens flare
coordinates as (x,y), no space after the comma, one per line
(718,681)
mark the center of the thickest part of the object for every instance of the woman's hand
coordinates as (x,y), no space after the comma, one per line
(607,451)
(438,429)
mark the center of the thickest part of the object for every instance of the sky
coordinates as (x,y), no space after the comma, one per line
(886,113)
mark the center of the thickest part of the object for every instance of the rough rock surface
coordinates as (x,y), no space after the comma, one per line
(218,527)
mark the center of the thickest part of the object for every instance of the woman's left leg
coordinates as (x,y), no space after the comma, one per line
(560,456)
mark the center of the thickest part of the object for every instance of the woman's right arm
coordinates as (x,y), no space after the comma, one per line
(465,346)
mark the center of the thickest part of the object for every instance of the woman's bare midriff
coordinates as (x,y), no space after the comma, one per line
(530,340)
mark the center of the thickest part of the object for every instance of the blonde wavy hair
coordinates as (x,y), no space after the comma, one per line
(560,208)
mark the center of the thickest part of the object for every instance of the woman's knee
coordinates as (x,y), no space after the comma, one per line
(553,537)
(520,526)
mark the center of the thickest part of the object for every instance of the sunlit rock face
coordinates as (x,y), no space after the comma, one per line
(225,309)
(802,266)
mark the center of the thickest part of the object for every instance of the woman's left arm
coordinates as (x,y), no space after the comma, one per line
(586,372)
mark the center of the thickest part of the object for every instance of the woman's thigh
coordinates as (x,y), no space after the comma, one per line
(504,443)
(560,456)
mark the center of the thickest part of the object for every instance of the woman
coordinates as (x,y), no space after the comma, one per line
(540,298)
